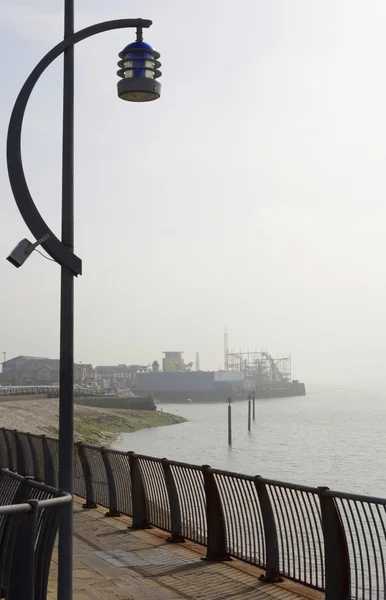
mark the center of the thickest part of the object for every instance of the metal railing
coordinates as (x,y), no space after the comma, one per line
(329,541)
(30,513)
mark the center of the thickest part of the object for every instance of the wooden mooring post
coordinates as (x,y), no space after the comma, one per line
(253,405)
(249,413)
(229,421)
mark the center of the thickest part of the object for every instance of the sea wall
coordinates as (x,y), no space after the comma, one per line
(120,402)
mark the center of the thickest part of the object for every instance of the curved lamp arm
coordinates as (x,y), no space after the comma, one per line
(28,210)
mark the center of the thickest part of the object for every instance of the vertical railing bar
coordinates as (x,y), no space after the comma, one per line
(236,512)
(288,507)
(342,505)
(150,491)
(49,476)
(185,492)
(374,547)
(262,540)
(196,502)
(298,527)
(11,455)
(201,500)
(279,529)
(229,512)
(314,506)
(20,458)
(242,485)
(87,478)
(166,501)
(158,493)
(306,521)
(181,497)
(162,507)
(189,523)
(380,542)
(366,544)
(147,485)
(253,524)
(34,458)
(284,526)
(359,543)
(4,459)
(244,534)
(157,501)
(220,486)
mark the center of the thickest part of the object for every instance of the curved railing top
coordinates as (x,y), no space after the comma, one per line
(24,507)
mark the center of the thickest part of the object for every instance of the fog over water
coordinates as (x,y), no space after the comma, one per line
(252,194)
(332,437)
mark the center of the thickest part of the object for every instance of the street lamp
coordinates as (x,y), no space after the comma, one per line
(138,72)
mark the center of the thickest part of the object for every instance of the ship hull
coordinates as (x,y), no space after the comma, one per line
(212,396)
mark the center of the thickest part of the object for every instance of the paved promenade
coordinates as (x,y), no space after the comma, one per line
(112,562)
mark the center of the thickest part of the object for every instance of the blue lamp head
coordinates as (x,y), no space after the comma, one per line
(139,71)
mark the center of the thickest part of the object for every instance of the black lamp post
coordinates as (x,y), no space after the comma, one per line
(138,70)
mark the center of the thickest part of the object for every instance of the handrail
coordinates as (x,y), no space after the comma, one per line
(26,507)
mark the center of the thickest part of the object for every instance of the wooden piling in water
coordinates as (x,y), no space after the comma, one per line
(249,415)
(229,422)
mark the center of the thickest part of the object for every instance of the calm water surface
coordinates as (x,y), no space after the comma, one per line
(334,437)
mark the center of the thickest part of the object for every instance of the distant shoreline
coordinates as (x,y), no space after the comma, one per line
(98,426)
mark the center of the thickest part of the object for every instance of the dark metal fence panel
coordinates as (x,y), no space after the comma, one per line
(157,500)
(120,467)
(299,530)
(3,450)
(53,447)
(191,494)
(98,475)
(9,436)
(26,451)
(243,519)
(364,523)
(36,444)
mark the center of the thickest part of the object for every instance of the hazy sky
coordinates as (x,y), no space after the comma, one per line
(252,194)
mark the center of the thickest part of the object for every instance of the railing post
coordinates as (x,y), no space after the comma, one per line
(20,462)
(337,561)
(87,478)
(113,511)
(22,585)
(270,534)
(49,471)
(217,543)
(140,518)
(174,504)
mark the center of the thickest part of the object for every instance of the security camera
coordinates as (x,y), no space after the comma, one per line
(23,250)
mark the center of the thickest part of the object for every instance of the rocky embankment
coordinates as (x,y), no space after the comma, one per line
(92,425)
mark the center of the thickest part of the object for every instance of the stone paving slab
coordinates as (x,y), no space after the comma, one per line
(112,562)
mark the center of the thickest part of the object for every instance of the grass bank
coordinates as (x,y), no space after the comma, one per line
(101,428)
